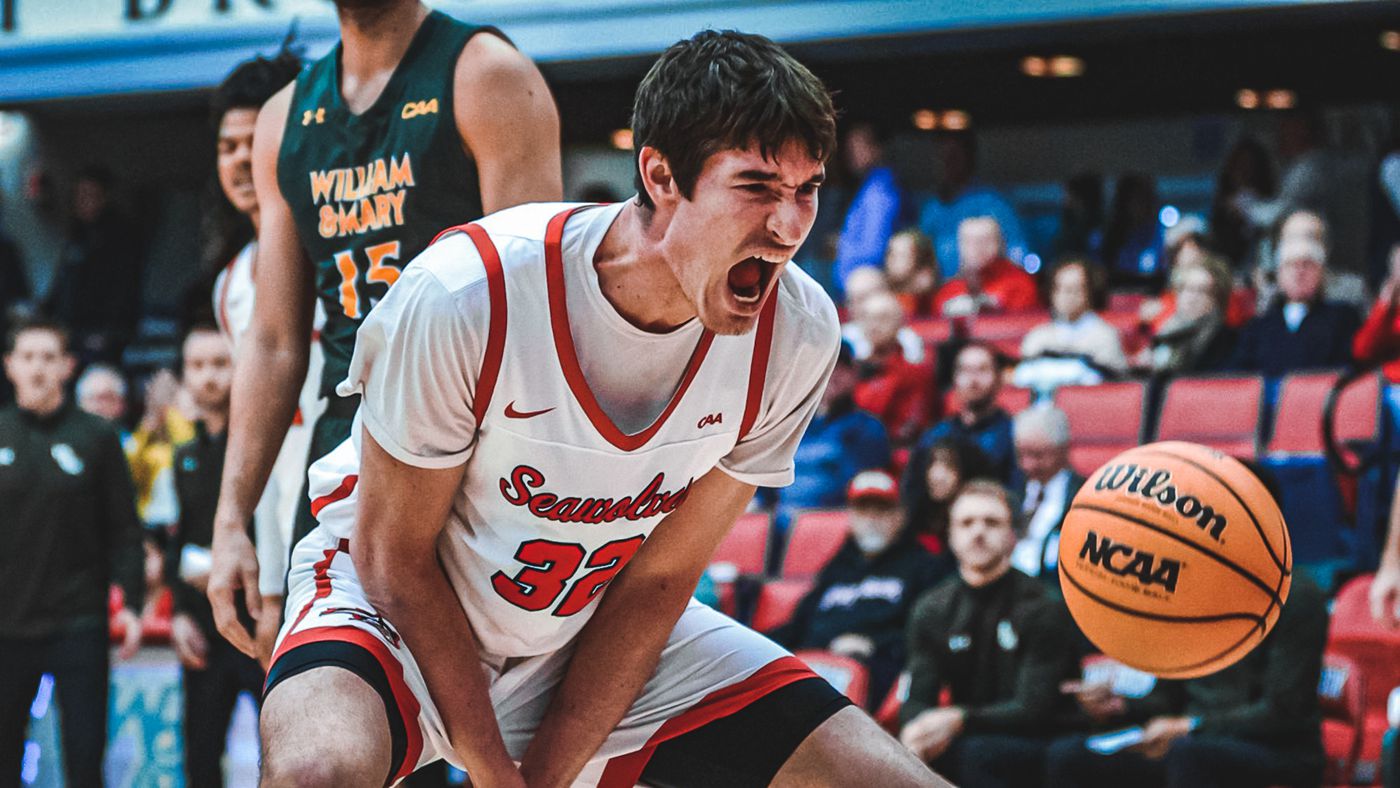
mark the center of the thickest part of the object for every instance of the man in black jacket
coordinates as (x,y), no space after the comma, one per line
(860,604)
(68,529)
(997,642)
(214,671)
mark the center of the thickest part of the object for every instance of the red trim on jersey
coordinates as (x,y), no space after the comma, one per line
(323,580)
(222,312)
(496,332)
(625,771)
(758,367)
(568,354)
(347,486)
(393,669)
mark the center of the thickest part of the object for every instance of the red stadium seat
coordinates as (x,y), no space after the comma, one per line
(932,329)
(849,677)
(155,623)
(1341,693)
(815,536)
(1298,416)
(1104,420)
(777,601)
(745,547)
(1012,325)
(1373,649)
(1012,399)
(1126,302)
(1222,413)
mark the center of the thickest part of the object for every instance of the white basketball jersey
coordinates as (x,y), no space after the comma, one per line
(556,499)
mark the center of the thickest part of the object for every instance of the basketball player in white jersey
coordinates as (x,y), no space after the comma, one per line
(552,394)
(234,107)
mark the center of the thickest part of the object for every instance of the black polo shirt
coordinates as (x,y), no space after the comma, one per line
(68,522)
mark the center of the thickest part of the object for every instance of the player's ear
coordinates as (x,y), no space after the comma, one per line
(657,177)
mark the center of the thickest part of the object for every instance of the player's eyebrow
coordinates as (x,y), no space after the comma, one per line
(768,176)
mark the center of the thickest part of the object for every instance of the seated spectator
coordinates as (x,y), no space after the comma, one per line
(1254,724)
(101,391)
(893,388)
(1081,217)
(860,285)
(911,268)
(1378,341)
(1186,245)
(841,441)
(1301,330)
(1042,451)
(1247,175)
(945,466)
(961,196)
(978,422)
(1341,286)
(878,326)
(1077,347)
(1196,336)
(997,643)
(859,606)
(987,281)
(876,207)
(1132,242)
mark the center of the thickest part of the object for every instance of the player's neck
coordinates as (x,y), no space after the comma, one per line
(374,40)
(634,276)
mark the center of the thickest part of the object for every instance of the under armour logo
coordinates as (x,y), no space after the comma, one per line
(713,418)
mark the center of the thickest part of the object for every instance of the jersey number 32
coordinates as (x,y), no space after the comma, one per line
(549,568)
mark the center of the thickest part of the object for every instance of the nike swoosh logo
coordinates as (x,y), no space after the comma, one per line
(512,413)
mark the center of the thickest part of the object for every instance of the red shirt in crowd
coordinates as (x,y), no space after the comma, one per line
(1237,312)
(1005,282)
(897,394)
(1378,341)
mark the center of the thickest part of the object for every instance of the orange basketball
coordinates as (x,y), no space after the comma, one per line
(1174,559)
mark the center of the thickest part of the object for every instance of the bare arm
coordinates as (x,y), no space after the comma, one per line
(401,512)
(509,124)
(620,646)
(267,378)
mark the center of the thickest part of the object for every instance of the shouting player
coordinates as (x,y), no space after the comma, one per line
(564,410)
(414,122)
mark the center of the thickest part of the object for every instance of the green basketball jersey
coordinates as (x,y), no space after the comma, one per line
(370,191)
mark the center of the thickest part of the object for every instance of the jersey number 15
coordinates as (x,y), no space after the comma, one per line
(381,270)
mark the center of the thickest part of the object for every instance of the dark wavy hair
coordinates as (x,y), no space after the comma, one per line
(723,90)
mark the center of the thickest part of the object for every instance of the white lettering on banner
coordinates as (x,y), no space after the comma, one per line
(889,589)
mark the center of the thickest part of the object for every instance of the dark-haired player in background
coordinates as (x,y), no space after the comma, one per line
(414,122)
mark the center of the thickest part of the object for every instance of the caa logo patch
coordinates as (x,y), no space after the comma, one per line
(67,459)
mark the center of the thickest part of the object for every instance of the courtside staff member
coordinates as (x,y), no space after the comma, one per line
(69,529)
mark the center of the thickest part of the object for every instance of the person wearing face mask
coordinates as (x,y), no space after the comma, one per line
(860,603)
(1196,337)
(1077,347)
(997,642)
(1301,329)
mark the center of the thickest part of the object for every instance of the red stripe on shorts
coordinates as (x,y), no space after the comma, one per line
(403,696)
(625,770)
(323,582)
(347,486)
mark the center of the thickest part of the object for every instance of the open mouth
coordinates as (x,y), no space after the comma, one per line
(749,278)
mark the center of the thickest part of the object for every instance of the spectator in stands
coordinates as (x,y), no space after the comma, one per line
(1378,340)
(68,532)
(893,387)
(859,606)
(987,281)
(1254,724)
(841,441)
(1187,245)
(942,470)
(911,268)
(1081,218)
(14,281)
(214,672)
(1042,450)
(1195,336)
(97,290)
(1077,347)
(1344,286)
(961,196)
(997,642)
(1301,330)
(878,324)
(1247,175)
(1132,242)
(101,391)
(978,422)
(861,284)
(875,210)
